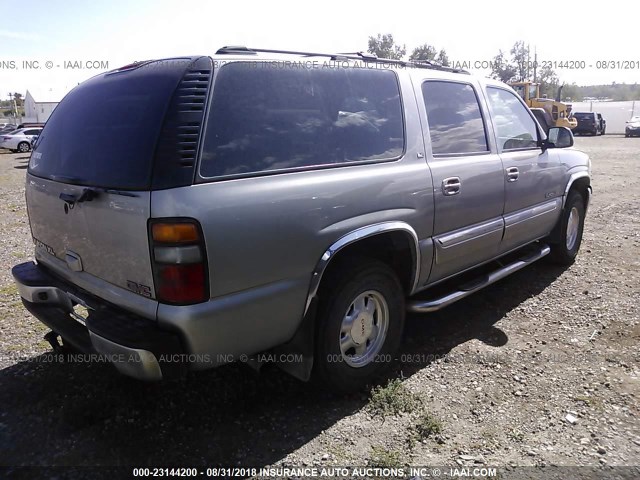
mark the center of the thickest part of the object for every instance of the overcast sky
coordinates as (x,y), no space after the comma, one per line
(119,32)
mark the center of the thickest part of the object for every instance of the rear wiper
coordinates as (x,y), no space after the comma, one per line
(119,192)
(95,190)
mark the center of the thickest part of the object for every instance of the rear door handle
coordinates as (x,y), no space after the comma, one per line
(451,186)
(512,174)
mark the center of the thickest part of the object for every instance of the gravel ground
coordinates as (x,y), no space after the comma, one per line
(539,369)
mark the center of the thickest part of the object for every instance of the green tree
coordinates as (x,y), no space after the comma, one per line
(443,58)
(520,61)
(384,46)
(502,69)
(429,53)
(423,52)
(549,82)
(572,93)
(519,67)
(18,98)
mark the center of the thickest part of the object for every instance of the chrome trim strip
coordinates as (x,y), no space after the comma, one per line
(532,212)
(469,233)
(573,178)
(426,306)
(359,234)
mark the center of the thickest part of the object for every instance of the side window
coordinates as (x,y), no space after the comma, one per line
(455,121)
(515,128)
(265,119)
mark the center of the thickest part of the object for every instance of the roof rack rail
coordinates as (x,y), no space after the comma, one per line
(367,57)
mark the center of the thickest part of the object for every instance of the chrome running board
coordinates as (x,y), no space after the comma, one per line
(434,304)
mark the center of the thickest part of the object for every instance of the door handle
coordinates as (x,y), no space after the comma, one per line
(512,174)
(451,186)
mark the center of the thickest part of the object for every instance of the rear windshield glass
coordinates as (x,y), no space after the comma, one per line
(104,132)
(583,115)
(265,119)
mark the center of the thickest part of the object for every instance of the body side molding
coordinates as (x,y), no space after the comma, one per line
(359,234)
(574,176)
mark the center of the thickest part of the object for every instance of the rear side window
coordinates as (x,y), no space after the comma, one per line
(104,132)
(266,119)
(515,127)
(455,121)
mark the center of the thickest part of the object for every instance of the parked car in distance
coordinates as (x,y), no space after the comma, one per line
(602,123)
(19,140)
(632,127)
(7,127)
(587,123)
(291,211)
(35,125)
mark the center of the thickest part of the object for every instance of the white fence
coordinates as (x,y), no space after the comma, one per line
(615,113)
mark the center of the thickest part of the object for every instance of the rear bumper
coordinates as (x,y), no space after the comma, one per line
(135,345)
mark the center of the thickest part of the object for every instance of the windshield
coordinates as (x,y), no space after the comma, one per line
(635,119)
(519,90)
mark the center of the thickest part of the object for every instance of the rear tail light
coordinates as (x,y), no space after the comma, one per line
(179,261)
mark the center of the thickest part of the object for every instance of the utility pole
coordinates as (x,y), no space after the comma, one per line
(528,62)
(14,107)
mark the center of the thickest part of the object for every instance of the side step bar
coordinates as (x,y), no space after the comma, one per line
(431,305)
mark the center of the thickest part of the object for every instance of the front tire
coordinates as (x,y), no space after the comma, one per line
(360,322)
(571,227)
(24,147)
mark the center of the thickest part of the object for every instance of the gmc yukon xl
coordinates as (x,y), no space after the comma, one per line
(193,211)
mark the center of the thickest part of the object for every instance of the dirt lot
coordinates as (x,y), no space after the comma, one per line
(542,369)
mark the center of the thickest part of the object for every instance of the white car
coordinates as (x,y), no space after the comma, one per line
(633,127)
(19,140)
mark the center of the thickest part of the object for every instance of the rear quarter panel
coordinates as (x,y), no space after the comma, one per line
(266,234)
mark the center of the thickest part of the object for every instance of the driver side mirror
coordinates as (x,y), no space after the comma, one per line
(559,137)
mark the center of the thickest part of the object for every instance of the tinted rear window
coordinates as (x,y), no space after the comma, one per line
(104,132)
(583,116)
(265,119)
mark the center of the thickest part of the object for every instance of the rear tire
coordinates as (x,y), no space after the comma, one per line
(359,326)
(571,227)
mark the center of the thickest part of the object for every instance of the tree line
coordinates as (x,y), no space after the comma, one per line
(515,65)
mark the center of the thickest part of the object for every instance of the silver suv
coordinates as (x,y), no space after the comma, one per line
(284,206)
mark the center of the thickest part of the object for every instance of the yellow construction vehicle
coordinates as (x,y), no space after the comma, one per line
(548,111)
